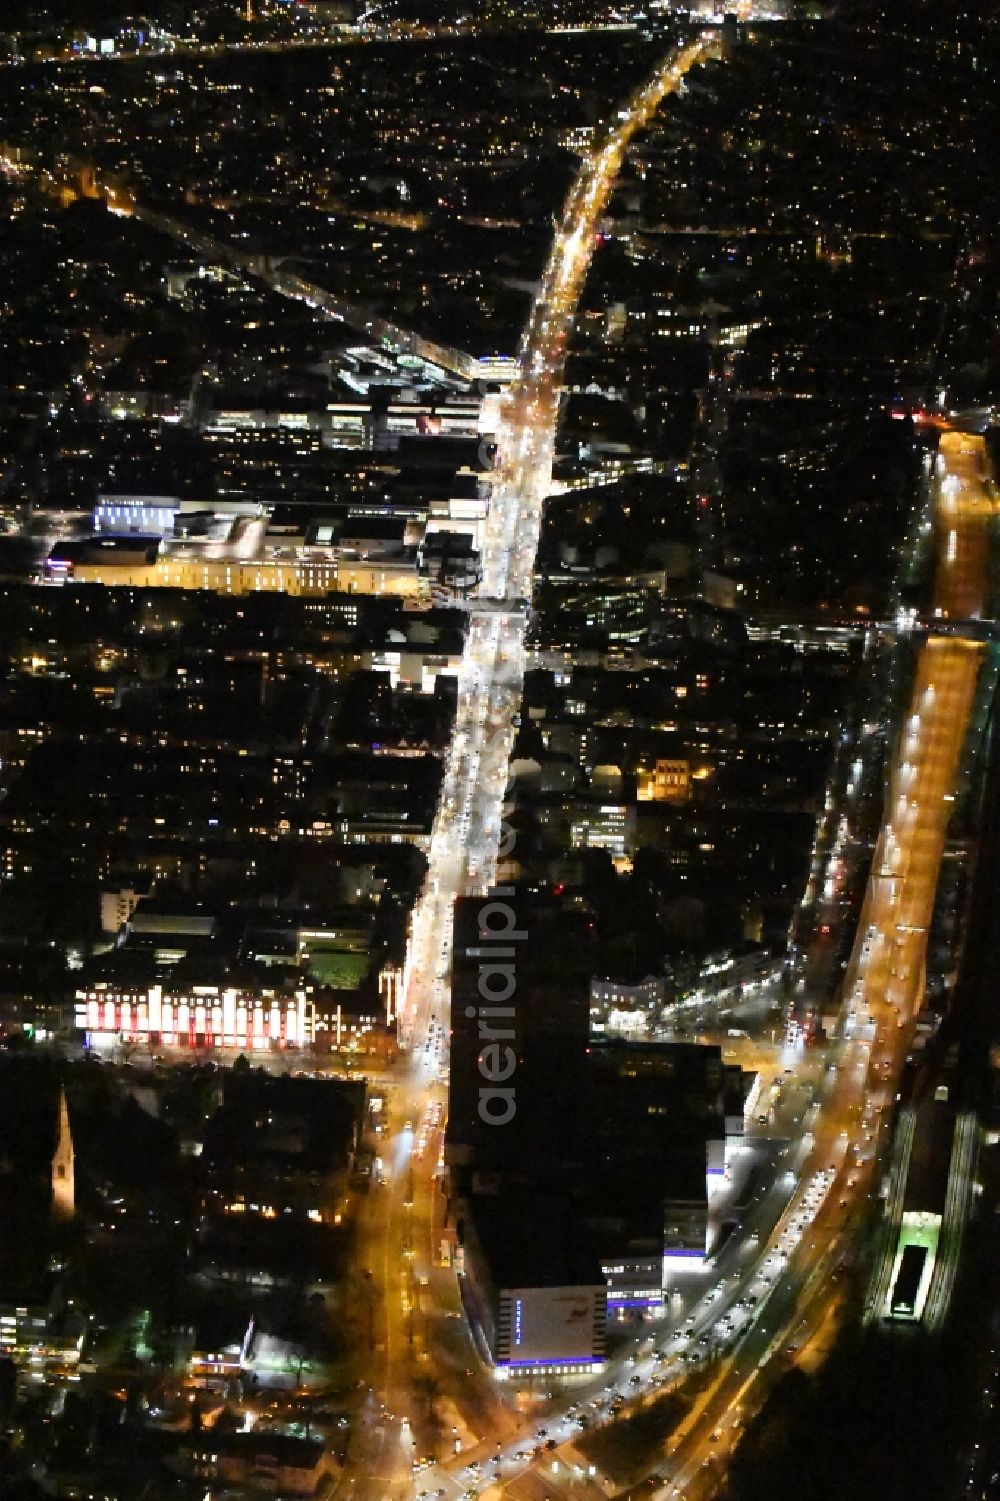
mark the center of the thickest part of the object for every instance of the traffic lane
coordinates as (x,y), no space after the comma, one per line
(750,1368)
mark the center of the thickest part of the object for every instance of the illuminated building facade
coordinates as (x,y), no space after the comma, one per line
(205,1017)
(534,1292)
(666,781)
(301,576)
(610,826)
(619,1007)
(42,1330)
(634,1283)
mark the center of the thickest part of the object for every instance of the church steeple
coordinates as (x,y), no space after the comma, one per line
(63,1188)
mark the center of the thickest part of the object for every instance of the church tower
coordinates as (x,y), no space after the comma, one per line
(63,1193)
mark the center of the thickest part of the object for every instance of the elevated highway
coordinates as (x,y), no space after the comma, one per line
(884,986)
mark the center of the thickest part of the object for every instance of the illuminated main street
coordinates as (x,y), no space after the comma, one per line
(528,430)
(175,47)
(365,32)
(417,1336)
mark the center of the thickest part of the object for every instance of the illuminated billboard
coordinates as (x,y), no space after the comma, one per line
(555,1324)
